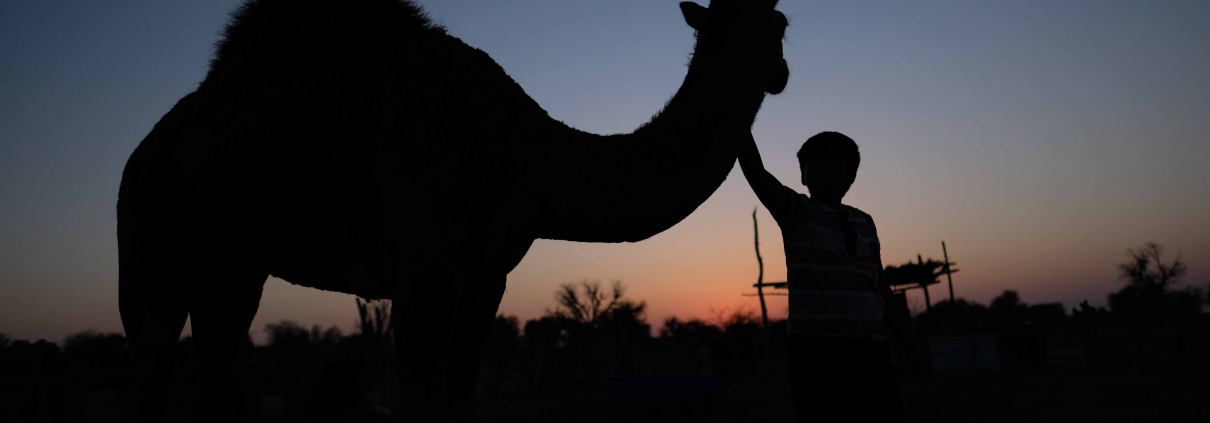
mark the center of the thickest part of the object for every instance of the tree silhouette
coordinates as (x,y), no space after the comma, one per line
(1141,272)
(546,331)
(500,348)
(692,331)
(626,322)
(586,312)
(1149,293)
(1007,312)
(96,350)
(288,337)
(591,307)
(31,354)
(737,322)
(504,334)
(958,316)
(1049,315)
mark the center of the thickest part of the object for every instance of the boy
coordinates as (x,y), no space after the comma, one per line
(840,367)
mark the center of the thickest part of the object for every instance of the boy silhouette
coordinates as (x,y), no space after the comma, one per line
(840,365)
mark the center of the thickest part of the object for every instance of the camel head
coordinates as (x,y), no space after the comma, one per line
(742,39)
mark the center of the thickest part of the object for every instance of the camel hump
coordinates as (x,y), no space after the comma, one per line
(327,29)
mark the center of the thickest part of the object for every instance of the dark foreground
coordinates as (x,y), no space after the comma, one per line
(1148,393)
(1160,393)
(1071,373)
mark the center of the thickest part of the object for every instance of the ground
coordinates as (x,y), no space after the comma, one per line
(1168,393)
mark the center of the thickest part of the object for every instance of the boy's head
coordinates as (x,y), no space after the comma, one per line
(829,163)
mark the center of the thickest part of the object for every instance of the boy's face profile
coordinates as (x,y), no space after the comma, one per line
(826,175)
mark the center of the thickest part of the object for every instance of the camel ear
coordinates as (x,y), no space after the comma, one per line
(695,15)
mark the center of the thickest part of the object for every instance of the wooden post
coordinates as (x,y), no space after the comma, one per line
(760,277)
(928,303)
(763,357)
(947,270)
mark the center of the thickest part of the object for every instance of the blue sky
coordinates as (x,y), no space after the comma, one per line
(1039,139)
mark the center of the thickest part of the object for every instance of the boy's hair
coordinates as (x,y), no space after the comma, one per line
(839,143)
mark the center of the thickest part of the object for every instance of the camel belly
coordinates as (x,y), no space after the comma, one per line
(331,271)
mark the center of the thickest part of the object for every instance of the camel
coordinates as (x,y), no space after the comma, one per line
(355,146)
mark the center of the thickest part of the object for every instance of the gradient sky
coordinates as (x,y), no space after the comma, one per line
(1039,139)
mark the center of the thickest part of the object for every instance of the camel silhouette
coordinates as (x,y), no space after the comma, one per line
(355,146)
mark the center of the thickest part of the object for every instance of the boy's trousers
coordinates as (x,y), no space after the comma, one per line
(836,379)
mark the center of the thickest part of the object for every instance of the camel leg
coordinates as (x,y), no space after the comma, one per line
(153,313)
(223,305)
(476,311)
(423,315)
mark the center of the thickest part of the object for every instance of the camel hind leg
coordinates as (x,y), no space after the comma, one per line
(168,273)
(225,295)
(153,311)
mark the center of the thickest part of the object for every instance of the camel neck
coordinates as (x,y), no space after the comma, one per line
(629,187)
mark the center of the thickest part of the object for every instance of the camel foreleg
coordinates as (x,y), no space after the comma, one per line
(476,311)
(423,315)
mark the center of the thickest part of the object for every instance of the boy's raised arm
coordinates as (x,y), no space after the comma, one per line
(775,196)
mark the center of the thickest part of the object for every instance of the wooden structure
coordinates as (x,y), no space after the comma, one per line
(920,275)
(901,278)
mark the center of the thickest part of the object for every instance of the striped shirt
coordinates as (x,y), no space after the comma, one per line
(833,264)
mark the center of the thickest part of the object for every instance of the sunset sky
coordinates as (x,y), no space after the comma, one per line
(1039,139)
